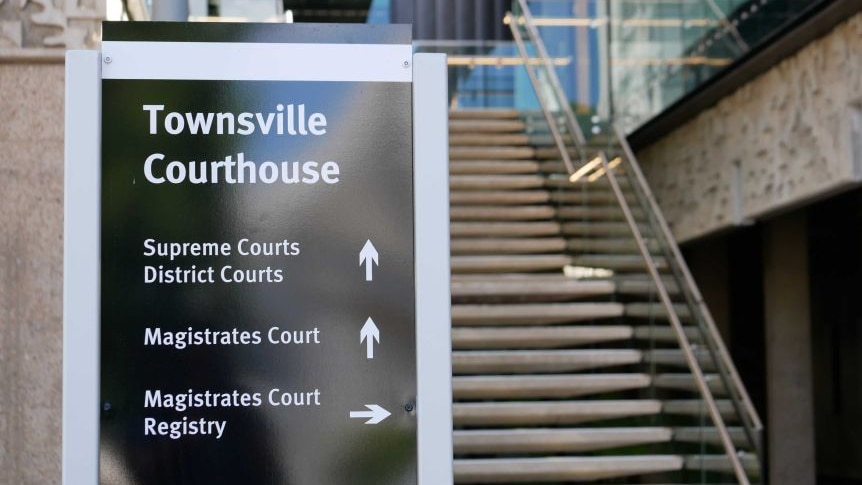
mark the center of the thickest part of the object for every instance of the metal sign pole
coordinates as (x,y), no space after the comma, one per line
(81,269)
(433,332)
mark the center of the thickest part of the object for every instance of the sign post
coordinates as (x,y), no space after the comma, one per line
(268,285)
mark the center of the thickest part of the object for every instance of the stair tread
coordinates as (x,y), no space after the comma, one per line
(665,333)
(619,262)
(529,361)
(488,139)
(529,285)
(720,463)
(490,229)
(494,152)
(509,263)
(492,246)
(568,440)
(525,413)
(532,313)
(494,197)
(495,182)
(475,167)
(537,337)
(486,126)
(559,468)
(484,114)
(516,213)
(694,434)
(548,386)
(686,382)
(657,310)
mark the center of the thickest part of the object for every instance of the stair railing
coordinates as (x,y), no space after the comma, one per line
(599,161)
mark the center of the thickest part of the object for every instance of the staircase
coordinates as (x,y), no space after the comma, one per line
(565,366)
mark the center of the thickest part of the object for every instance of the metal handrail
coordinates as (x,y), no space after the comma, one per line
(580,140)
(531,72)
(675,323)
(685,345)
(689,281)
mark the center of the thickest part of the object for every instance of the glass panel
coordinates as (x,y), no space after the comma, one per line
(704,403)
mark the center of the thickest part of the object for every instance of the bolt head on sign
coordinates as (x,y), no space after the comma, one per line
(245,169)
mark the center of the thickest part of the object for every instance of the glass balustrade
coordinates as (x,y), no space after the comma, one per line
(593,173)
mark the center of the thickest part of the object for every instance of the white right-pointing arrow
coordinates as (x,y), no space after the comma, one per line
(375,414)
(369,334)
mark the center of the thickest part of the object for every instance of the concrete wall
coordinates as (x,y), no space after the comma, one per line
(33,38)
(790,135)
(31,276)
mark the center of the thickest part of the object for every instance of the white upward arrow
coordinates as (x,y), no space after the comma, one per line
(369,334)
(375,414)
(368,256)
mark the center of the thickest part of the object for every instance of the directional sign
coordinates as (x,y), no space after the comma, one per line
(369,334)
(375,414)
(368,257)
(235,159)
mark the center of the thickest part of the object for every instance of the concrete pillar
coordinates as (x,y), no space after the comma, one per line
(170,10)
(788,351)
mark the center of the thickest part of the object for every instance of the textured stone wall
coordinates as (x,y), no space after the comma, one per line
(34,35)
(31,276)
(42,29)
(791,135)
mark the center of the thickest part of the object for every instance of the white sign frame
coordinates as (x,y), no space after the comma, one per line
(81,269)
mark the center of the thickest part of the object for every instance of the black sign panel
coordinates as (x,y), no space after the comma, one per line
(257,279)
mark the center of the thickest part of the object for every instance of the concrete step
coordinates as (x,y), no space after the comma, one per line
(484,114)
(561,181)
(533,313)
(504,229)
(658,310)
(495,182)
(617,262)
(528,285)
(710,435)
(460,246)
(486,126)
(502,197)
(675,357)
(598,229)
(539,361)
(509,263)
(686,382)
(544,386)
(488,139)
(491,153)
(553,166)
(537,337)
(721,464)
(665,334)
(588,195)
(553,440)
(538,413)
(561,468)
(553,153)
(644,285)
(595,213)
(619,245)
(485,167)
(697,407)
(515,213)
